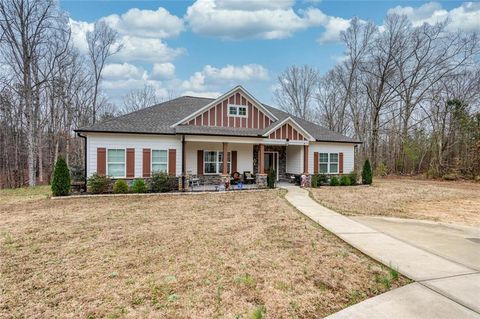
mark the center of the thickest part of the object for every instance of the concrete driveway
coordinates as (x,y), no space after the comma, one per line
(460,244)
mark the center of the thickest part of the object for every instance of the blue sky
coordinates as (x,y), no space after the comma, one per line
(205,47)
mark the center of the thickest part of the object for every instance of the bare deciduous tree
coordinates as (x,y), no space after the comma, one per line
(138,99)
(296,90)
(102,44)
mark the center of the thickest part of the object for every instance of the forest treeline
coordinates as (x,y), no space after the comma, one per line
(410,93)
(47,89)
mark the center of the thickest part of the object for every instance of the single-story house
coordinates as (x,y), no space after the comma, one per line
(189,136)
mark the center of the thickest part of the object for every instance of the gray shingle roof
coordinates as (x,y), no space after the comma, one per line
(211,130)
(159,118)
(155,119)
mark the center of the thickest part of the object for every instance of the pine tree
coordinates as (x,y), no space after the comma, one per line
(61,178)
(367,173)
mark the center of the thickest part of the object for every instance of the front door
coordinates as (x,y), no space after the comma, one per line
(271,161)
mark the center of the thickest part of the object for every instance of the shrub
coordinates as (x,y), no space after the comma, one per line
(61,178)
(271,178)
(322,179)
(353,178)
(161,183)
(138,186)
(334,181)
(450,177)
(97,184)
(345,181)
(367,173)
(120,187)
(314,181)
(76,173)
(382,169)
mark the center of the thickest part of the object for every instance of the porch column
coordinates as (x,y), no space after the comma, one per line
(305,159)
(225,163)
(184,164)
(261,159)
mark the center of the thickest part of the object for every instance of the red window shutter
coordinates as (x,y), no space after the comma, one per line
(200,162)
(340,163)
(315,162)
(146,162)
(101,161)
(172,162)
(234,161)
(130,162)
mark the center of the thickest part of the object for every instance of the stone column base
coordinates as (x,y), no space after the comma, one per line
(262,181)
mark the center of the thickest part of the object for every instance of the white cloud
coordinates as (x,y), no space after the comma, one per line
(237,73)
(196,82)
(146,49)
(123,71)
(333,28)
(163,70)
(260,19)
(142,33)
(146,23)
(211,78)
(253,5)
(466,17)
(212,95)
(79,34)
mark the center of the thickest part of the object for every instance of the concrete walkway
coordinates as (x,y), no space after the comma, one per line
(444,288)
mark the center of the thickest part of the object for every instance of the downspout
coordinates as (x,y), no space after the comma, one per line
(84,159)
(183,163)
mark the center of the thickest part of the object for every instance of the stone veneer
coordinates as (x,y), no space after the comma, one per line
(282,158)
(212,179)
(261,180)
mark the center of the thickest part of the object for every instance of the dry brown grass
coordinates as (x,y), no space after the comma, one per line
(451,202)
(203,256)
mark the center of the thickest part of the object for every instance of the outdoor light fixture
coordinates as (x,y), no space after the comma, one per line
(287,141)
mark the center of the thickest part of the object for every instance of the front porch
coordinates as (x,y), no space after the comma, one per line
(246,165)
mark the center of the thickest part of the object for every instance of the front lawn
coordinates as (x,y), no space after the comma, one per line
(451,202)
(195,256)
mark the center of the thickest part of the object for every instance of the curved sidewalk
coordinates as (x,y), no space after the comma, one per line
(443,288)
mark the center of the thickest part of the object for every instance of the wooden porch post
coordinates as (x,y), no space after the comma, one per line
(261,159)
(225,163)
(305,159)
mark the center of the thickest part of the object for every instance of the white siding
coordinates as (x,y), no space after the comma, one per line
(295,159)
(327,147)
(244,154)
(137,141)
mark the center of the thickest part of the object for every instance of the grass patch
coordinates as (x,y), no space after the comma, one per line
(174,256)
(451,202)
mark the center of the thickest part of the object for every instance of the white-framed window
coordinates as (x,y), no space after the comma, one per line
(328,163)
(213,162)
(116,162)
(237,110)
(159,161)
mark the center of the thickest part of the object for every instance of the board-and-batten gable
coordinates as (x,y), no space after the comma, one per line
(287,131)
(217,115)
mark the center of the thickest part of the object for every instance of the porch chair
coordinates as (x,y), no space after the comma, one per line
(248,177)
(193,179)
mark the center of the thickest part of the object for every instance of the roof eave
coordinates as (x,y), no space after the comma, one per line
(337,141)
